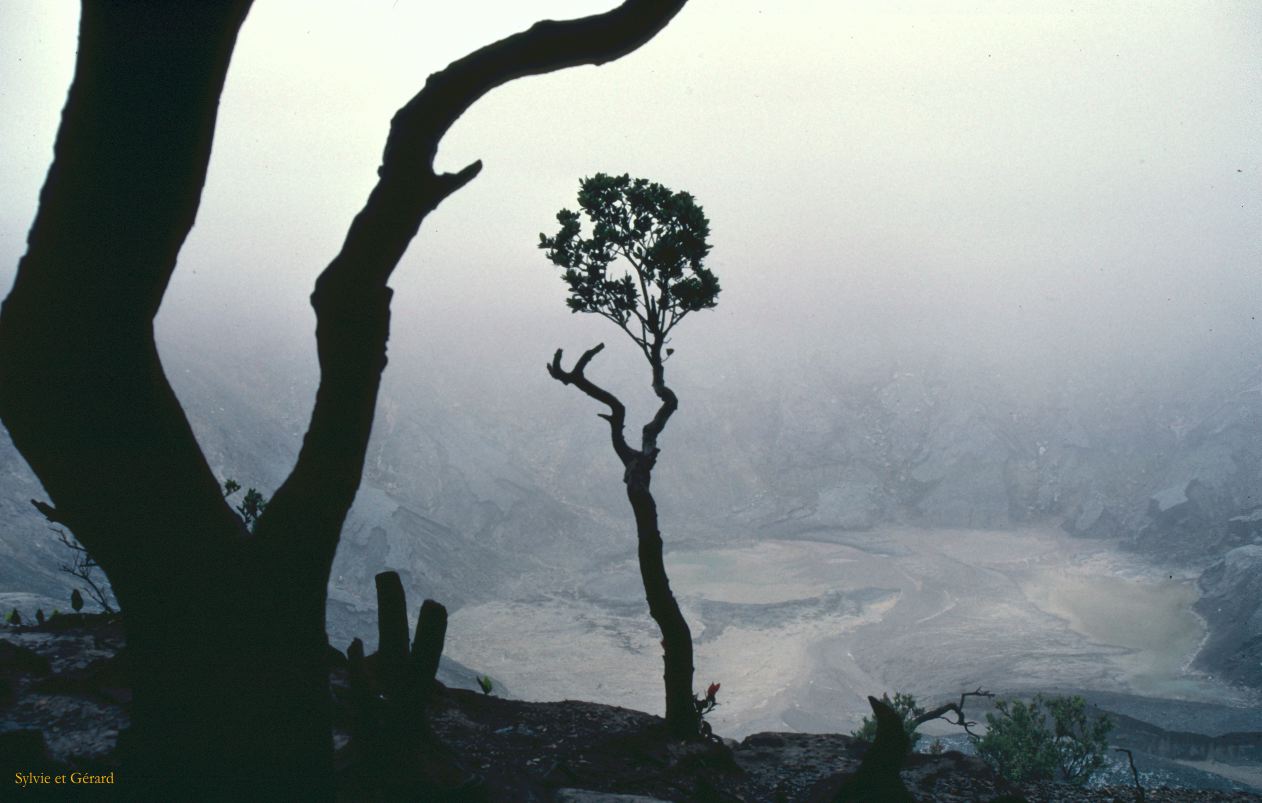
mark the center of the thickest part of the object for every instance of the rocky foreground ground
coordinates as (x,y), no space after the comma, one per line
(64,699)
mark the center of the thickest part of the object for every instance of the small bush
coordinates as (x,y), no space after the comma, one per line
(905,706)
(708,703)
(705,705)
(1021,745)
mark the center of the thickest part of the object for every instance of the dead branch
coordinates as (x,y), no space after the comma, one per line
(1139,789)
(942,711)
(617,414)
(83,567)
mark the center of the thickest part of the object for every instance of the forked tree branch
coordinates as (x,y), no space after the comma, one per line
(617,415)
(670,402)
(351,299)
(82,565)
(952,708)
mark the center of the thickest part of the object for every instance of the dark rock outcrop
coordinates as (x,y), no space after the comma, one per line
(1231,603)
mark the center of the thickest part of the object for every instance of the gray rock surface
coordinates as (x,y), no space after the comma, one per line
(1232,603)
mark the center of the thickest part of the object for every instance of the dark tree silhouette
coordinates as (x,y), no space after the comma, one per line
(82,567)
(663,237)
(877,779)
(225,626)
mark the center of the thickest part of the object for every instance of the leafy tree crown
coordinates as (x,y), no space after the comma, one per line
(1021,745)
(663,237)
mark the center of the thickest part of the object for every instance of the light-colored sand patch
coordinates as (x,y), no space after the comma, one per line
(769,571)
(550,651)
(960,608)
(556,651)
(990,548)
(1153,618)
(766,671)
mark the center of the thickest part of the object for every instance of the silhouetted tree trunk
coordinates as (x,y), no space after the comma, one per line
(681,711)
(225,627)
(392,754)
(682,717)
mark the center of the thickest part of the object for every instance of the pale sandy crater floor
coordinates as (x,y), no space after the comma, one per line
(800,632)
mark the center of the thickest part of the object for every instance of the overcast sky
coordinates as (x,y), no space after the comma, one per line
(883,179)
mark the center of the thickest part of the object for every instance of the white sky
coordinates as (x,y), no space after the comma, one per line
(1007,180)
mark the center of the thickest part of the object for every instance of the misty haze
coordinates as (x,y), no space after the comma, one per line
(980,404)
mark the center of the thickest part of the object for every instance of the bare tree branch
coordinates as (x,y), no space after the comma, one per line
(956,708)
(545,47)
(617,414)
(351,300)
(83,567)
(1139,789)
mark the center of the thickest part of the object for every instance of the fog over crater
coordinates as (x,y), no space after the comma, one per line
(981,402)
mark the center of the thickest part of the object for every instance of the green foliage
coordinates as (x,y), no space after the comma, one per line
(252,504)
(662,235)
(905,706)
(1081,743)
(1021,745)
(485,683)
(1018,743)
(13,617)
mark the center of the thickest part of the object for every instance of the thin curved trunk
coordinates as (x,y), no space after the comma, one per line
(682,719)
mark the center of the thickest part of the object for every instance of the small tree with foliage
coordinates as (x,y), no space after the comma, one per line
(1022,745)
(905,706)
(641,268)
(1080,741)
(251,506)
(913,716)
